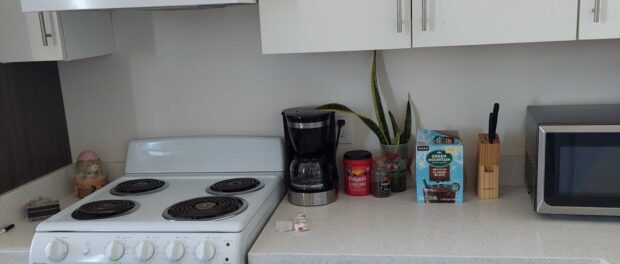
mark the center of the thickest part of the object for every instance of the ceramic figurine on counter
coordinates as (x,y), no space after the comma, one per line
(89,175)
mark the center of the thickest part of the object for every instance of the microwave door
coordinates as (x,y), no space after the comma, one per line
(579,170)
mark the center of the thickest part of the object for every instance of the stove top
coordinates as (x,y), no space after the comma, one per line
(181,200)
(185,194)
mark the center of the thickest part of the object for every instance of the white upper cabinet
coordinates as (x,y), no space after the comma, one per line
(474,22)
(72,5)
(53,36)
(599,19)
(295,26)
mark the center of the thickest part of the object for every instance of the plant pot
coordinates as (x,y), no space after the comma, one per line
(396,160)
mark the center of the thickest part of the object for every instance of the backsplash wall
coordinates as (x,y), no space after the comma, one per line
(201,72)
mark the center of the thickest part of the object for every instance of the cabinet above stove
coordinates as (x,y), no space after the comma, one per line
(66,5)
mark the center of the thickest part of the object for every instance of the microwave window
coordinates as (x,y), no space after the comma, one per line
(583,169)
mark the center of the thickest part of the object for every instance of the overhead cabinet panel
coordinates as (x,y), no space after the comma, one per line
(599,19)
(474,22)
(53,36)
(295,26)
(69,5)
(28,36)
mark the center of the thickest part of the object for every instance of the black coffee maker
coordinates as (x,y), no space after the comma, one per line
(311,175)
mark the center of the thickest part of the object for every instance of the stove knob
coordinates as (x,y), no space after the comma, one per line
(144,250)
(175,251)
(205,251)
(56,250)
(114,250)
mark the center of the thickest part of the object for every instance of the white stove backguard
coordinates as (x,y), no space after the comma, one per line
(205,154)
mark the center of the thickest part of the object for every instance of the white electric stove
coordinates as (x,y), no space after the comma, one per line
(181,200)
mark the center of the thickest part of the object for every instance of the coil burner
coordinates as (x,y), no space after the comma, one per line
(140,186)
(235,186)
(206,208)
(104,209)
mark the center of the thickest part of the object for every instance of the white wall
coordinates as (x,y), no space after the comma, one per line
(201,72)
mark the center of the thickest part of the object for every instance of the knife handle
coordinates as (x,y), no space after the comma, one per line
(491,133)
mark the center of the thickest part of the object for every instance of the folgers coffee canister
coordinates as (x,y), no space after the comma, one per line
(357,172)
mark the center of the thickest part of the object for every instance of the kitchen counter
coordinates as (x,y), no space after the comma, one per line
(398,230)
(15,244)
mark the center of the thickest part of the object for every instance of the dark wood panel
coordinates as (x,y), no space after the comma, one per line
(33,130)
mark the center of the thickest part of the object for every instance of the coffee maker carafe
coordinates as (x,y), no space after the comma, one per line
(311,176)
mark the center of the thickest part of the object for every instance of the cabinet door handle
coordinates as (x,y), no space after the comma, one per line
(597,11)
(424,15)
(399,16)
(44,34)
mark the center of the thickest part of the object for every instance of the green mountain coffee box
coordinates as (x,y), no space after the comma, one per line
(439,167)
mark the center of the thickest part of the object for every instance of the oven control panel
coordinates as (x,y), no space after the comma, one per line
(59,247)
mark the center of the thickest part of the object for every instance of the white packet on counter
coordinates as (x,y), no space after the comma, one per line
(300,223)
(284,226)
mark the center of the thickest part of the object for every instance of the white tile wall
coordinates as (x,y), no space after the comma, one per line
(201,72)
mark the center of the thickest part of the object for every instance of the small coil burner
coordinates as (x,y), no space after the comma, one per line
(206,208)
(139,186)
(104,209)
(235,186)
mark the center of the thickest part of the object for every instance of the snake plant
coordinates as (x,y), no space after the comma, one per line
(380,128)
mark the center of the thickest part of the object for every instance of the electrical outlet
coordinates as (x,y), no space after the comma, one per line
(345,131)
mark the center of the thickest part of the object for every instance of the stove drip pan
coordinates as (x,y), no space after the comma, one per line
(235,186)
(206,208)
(104,209)
(139,186)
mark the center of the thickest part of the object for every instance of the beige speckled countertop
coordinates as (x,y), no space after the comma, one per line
(15,244)
(398,230)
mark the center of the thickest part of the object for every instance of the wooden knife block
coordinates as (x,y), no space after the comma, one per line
(487,171)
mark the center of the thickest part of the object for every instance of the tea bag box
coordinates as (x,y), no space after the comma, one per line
(439,167)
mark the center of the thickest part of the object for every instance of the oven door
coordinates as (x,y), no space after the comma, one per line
(579,170)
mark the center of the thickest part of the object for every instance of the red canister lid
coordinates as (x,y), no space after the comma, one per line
(357,155)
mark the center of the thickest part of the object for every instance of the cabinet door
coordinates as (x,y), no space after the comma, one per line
(473,22)
(293,26)
(22,34)
(86,34)
(599,19)
(53,36)
(46,40)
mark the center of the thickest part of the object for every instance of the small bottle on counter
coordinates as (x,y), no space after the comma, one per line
(357,170)
(381,186)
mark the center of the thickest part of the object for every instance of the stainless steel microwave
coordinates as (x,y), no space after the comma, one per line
(572,159)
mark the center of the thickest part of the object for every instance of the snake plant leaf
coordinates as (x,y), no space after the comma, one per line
(369,123)
(408,119)
(381,129)
(394,125)
(397,138)
(376,99)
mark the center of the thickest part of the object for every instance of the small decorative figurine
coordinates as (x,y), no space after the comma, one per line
(89,175)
